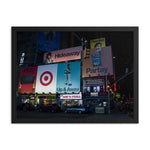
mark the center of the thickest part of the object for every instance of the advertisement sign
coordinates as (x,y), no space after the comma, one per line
(65,54)
(100,110)
(94,81)
(46,78)
(94,93)
(27,80)
(99,63)
(48,41)
(71,96)
(68,77)
(48,96)
(97,43)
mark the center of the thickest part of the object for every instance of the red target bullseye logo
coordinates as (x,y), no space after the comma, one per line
(46,78)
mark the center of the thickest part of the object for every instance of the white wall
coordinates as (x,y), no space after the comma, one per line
(67,136)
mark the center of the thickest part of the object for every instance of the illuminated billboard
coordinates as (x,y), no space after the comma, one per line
(27,80)
(71,96)
(61,78)
(73,53)
(96,43)
(68,77)
(99,63)
(48,41)
(46,78)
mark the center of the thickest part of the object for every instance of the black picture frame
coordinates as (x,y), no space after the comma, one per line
(16,29)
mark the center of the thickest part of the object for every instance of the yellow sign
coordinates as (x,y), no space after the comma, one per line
(97,43)
(46,96)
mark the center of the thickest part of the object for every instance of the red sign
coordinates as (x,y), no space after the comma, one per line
(27,80)
(71,96)
(46,78)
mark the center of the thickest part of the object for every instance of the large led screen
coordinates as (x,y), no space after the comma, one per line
(48,41)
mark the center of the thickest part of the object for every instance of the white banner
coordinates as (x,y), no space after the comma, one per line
(71,96)
(46,79)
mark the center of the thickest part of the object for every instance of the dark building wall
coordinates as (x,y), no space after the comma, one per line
(64,40)
(26,43)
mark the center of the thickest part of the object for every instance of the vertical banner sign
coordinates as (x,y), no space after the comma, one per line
(99,63)
(48,41)
(27,80)
(96,43)
(68,77)
(46,79)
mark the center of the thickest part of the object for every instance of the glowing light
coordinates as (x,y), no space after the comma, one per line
(115,87)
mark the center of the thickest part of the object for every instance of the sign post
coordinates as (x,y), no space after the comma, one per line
(108,99)
(108,103)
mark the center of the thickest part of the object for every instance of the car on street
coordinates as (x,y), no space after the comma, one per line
(76,109)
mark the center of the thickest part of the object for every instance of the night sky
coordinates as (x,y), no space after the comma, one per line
(122,47)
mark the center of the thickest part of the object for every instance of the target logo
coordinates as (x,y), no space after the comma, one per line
(46,78)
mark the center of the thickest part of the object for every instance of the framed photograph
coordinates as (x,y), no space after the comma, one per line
(74,75)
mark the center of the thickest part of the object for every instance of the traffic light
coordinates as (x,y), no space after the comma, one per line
(115,86)
(118,95)
(108,86)
(86,53)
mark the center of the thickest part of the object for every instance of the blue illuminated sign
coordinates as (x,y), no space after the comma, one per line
(48,41)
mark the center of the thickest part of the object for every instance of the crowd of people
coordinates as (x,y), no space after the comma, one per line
(120,106)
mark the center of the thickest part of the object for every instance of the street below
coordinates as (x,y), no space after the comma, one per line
(70,116)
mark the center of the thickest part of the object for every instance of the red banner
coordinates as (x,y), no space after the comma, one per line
(27,80)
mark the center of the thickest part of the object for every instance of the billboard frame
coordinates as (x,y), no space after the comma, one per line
(15,29)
